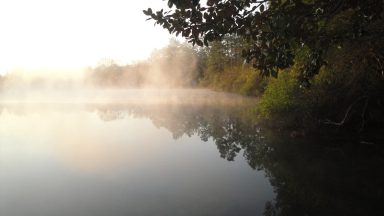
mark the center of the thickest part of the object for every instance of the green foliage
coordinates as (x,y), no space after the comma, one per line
(280,96)
(216,60)
(342,94)
(326,55)
(240,79)
(357,89)
(250,83)
(274,28)
(226,70)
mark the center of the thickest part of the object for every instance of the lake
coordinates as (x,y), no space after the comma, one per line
(162,152)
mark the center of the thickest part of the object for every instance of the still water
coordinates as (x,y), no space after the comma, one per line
(129,157)
(162,153)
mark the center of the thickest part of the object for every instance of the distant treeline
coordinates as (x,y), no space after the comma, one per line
(18,81)
(219,66)
(173,66)
(178,65)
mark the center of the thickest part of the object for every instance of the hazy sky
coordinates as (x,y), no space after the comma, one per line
(75,33)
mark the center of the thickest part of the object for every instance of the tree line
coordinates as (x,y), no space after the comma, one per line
(320,61)
(174,66)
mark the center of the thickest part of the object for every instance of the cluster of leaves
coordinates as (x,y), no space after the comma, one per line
(275,28)
(224,68)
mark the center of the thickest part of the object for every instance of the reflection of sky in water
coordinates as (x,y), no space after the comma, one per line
(71,162)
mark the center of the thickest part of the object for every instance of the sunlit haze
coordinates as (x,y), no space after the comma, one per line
(71,34)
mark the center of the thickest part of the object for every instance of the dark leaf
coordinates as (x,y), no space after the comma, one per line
(170,3)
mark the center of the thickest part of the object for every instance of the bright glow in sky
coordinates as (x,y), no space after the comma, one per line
(75,33)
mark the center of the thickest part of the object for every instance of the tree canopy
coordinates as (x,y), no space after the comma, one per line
(276,28)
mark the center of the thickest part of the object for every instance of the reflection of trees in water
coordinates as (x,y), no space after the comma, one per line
(314,180)
(111,114)
(308,179)
(226,126)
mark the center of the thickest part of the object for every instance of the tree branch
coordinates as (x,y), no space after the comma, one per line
(342,122)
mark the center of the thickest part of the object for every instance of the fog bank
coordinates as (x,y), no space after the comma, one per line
(172,67)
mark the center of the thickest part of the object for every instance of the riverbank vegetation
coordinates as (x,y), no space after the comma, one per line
(316,64)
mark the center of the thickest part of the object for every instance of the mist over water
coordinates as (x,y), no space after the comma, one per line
(163,76)
(117,140)
(70,145)
(124,152)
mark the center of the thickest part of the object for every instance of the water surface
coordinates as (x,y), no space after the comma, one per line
(174,153)
(126,156)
